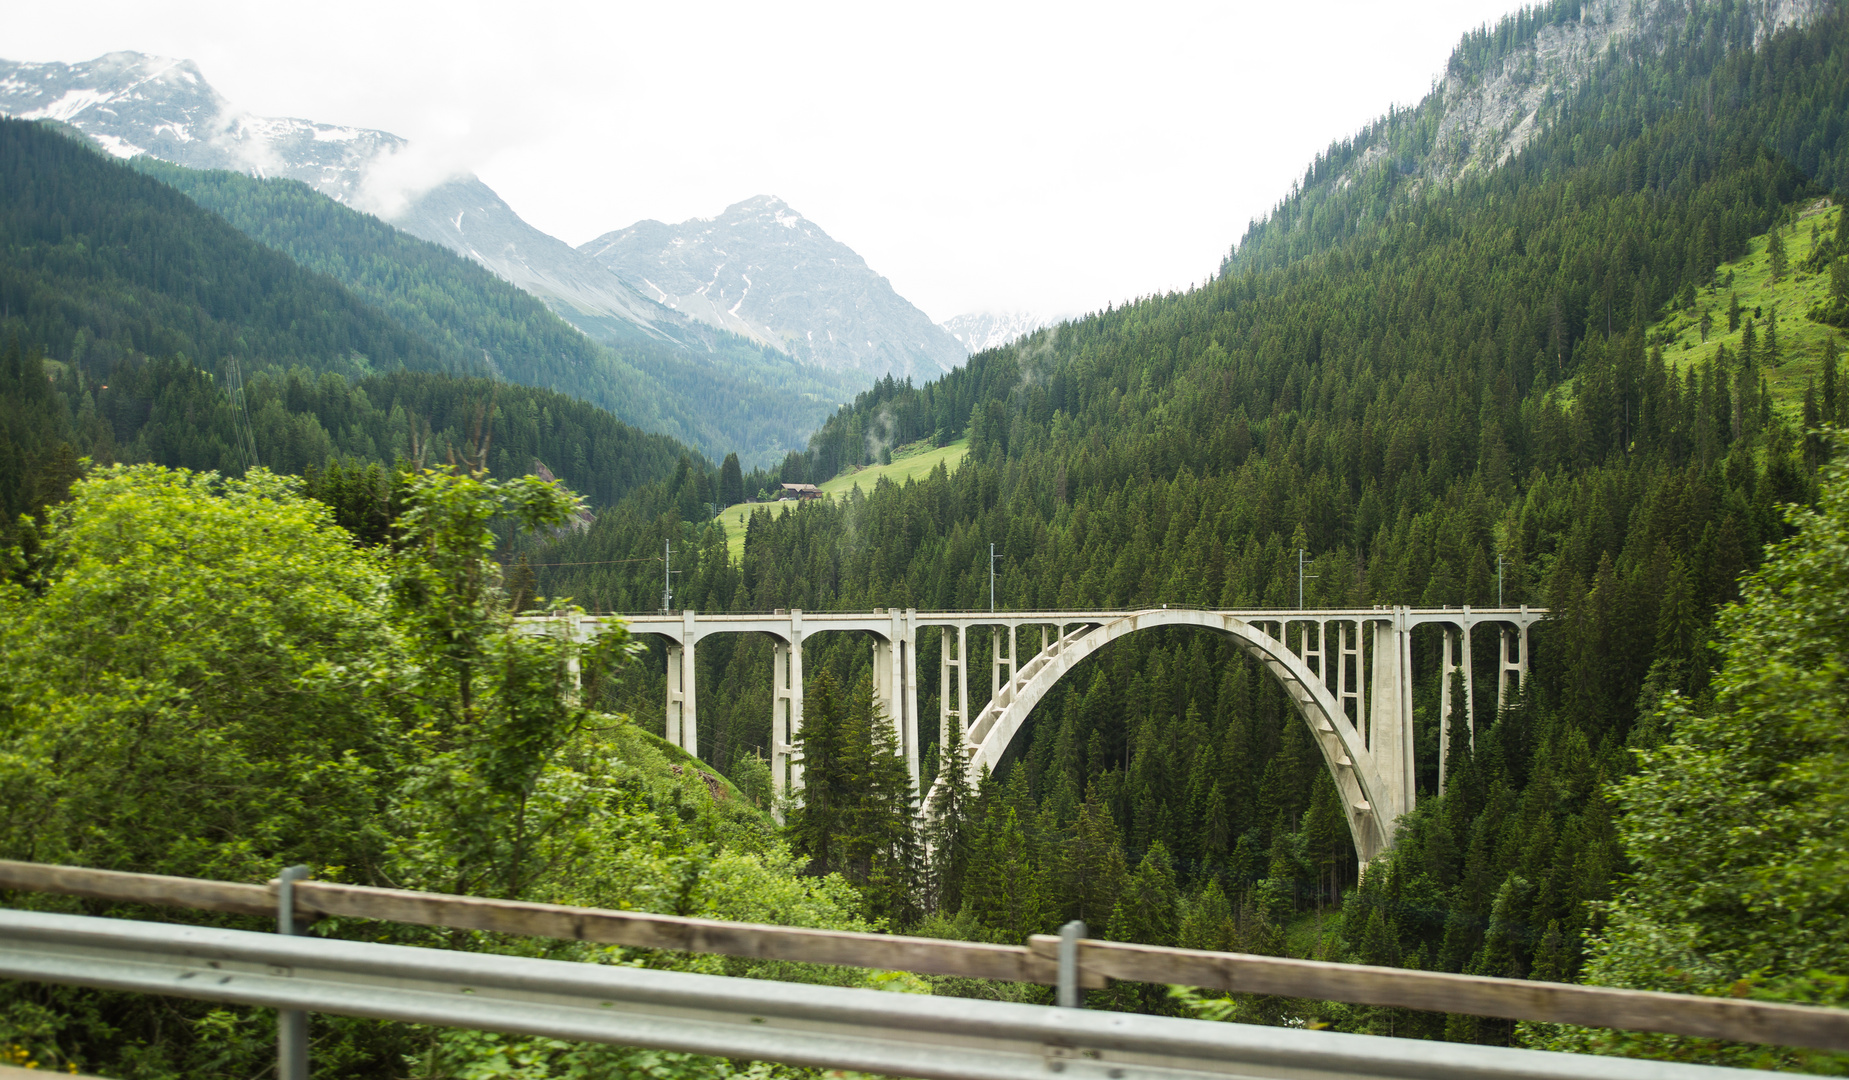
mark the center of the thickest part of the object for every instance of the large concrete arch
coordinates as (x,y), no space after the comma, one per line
(1370,775)
(1355,695)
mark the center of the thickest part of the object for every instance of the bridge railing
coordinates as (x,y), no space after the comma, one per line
(1087,962)
(1019,613)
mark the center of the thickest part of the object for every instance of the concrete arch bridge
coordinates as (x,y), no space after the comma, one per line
(1347,671)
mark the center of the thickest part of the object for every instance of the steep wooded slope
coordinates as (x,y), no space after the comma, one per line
(731,394)
(98,260)
(1457,384)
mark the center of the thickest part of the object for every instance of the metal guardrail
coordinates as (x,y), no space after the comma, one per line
(1089,962)
(820,1026)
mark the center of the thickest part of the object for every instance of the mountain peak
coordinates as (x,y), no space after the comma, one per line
(765,271)
(763,208)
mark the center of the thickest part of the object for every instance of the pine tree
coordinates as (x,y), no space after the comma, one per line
(951,824)
(887,858)
(1325,835)
(856,818)
(829,787)
(731,481)
(1208,922)
(1093,874)
(1459,780)
(1007,890)
(1146,912)
(1775,253)
(1833,398)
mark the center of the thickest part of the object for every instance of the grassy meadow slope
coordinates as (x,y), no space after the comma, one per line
(914,461)
(1762,300)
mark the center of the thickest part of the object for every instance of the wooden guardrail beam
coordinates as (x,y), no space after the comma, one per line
(1437,991)
(157,889)
(1099,961)
(644,930)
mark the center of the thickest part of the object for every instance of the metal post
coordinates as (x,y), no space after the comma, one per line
(1300,554)
(991,578)
(1071,994)
(291,1024)
(1498,580)
(667,576)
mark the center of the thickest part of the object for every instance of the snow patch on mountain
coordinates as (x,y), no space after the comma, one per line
(130,104)
(763,270)
(979,331)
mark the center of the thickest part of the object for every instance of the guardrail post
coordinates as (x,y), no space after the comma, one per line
(1071,994)
(291,1024)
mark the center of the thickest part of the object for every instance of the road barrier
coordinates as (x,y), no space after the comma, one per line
(824,1026)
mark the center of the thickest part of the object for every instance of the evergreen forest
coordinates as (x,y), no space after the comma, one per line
(1602,376)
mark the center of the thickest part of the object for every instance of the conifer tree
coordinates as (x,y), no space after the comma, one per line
(1326,839)
(1208,922)
(828,792)
(951,825)
(1006,889)
(731,482)
(1146,911)
(856,818)
(1093,873)
(1832,395)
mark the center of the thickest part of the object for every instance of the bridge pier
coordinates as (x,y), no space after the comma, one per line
(786,707)
(1447,665)
(895,683)
(1511,671)
(953,691)
(683,726)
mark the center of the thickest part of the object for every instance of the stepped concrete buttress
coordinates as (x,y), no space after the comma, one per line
(1348,672)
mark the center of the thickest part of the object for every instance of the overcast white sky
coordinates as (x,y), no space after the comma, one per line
(1045,157)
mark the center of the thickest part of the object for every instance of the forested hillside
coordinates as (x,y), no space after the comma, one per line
(169,337)
(100,263)
(743,397)
(1458,377)
(1437,393)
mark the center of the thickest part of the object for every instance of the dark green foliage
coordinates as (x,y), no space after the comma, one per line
(1735,819)
(952,825)
(716,392)
(1408,394)
(1146,910)
(100,264)
(856,818)
(731,482)
(37,461)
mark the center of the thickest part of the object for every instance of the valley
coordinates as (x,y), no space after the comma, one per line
(299,503)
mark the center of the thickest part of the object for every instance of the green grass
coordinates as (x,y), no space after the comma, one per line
(1800,341)
(913,461)
(1312,934)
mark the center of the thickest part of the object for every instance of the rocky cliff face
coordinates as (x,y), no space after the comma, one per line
(1503,87)
(978,331)
(1487,111)
(762,270)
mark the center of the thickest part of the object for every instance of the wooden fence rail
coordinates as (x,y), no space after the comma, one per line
(1037,962)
